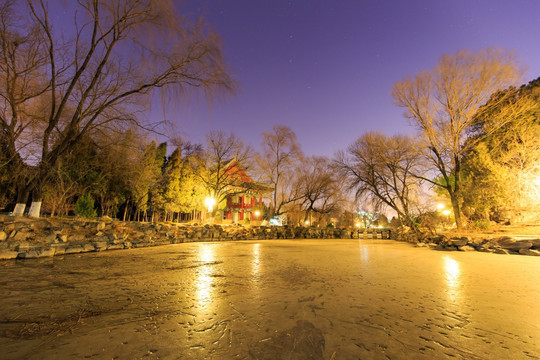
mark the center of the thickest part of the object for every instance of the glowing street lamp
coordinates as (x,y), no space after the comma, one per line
(440,206)
(210,202)
(257,213)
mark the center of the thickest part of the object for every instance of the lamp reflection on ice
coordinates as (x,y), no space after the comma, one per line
(363,251)
(205,281)
(255,262)
(452,277)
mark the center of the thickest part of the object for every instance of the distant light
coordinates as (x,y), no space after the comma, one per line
(446,212)
(357,224)
(257,213)
(307,222)
(440,206)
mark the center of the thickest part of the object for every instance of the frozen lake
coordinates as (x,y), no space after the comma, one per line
(272,299)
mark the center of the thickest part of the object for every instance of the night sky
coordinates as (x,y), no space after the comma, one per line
(326,68)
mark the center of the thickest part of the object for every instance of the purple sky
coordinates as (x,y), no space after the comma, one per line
(326,68)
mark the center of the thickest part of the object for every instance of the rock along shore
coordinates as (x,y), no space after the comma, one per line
(26,238)
(496,245)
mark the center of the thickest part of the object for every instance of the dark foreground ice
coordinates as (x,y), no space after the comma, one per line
(272,299)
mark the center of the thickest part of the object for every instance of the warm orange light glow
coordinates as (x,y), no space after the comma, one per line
(257,213)
(210,202)
(446,212)
(440,206)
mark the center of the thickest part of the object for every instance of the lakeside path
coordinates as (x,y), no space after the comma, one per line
(272,299)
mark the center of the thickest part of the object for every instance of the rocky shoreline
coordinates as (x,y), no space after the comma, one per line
(496,245)
(27,238)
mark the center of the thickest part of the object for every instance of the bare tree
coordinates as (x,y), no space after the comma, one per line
(223,165)
(317,187)
(443,103)
(22,83)
(381,168)
(121,52)
(281,152)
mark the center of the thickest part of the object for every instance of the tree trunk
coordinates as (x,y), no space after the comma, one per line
(37,197)
(457,211)
(125,210)
(22,197)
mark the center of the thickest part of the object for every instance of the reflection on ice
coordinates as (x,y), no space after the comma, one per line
(453,278)
(255,262)
(205,281)
(364,253)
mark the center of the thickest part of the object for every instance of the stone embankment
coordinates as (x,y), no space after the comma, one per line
(496,245)
(24,238)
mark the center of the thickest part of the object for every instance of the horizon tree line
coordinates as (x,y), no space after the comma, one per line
(70,125)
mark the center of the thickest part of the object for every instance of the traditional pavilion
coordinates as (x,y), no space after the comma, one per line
(246,195)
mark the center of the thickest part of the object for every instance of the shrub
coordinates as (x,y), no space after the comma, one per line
(84,207)
(482,224)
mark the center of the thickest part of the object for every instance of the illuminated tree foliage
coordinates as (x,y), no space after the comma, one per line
(503,167)
(444,102)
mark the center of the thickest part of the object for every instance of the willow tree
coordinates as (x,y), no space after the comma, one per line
(120,53)
(280,153)
(443,103)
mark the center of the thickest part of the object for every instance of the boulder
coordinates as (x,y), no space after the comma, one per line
(21,235)
(28,255)
(530,252)
(49,238)
(459,241)
(513,245)
(535,243)
(100,245)
(88,248)
(466,248)
(77,237)
(500,251)
(3,236)
(47,252)
(8,254)
(115,246)
(74,250)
